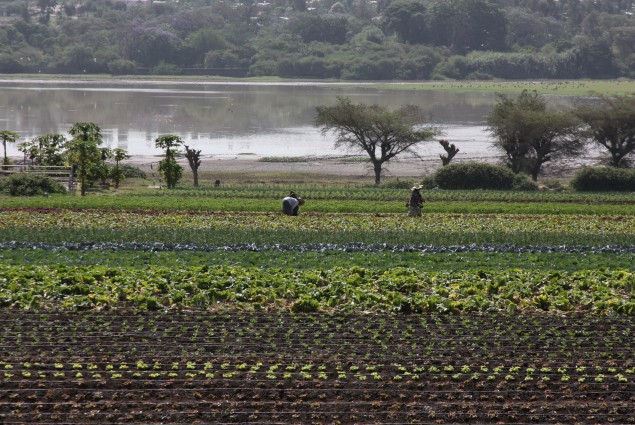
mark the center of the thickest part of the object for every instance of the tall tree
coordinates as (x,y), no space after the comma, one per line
(611,124)
(168,166)
(530,135)
(375,130)
(466,25)
(83,150)
(7,137)
(407,19)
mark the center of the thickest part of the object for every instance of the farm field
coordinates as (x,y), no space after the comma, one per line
(209,306)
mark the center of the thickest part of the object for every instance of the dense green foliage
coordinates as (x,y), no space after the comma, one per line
(476,175)
(610,124)
(399,39)
(30,185)
(529,135)
(397,290)
(604,179)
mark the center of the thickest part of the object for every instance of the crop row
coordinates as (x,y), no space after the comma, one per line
(254,372)
(550,341)
(390,194)
(129,367)
(262,236)
(332,248)
(492,223)
(139,255)
(346,193)
(194,204)
(404,290)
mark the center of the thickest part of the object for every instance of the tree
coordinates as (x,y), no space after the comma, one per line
(327,29)
(530,135)
(118,155)
(466,25)
(556,135)
(46,8)
(407,19)
(168,167)
(45,150)
(149,45)
(10,137)
(83,150)
(381,133)
(193,157)
(611,124)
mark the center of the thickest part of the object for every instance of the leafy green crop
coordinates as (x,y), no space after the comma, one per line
(323,260)
(354,289)
(269,228)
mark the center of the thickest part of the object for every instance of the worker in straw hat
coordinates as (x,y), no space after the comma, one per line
(416,202)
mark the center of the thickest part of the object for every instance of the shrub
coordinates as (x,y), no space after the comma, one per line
(474,175)
(601,179)
(131,172)
(428,182)
(122,67)
(524,183)
(30,185)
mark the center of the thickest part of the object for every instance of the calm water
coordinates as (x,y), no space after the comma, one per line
(225,119)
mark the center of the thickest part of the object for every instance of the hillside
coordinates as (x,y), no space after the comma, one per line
(355,39)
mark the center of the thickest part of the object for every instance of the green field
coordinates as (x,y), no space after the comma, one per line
(208,305)
(555,87)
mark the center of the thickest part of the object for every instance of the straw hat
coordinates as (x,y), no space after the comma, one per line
(416,187)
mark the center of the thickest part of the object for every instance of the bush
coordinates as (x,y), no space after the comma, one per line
(474,175)
(131,172)
(524,183)
(30,185)
(122,67)
(602,179)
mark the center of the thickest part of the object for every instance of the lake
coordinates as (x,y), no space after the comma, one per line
(226,119)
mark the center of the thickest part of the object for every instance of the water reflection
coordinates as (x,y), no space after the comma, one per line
(265,119)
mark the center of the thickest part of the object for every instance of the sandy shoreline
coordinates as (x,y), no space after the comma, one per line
(351,166)
(339,166)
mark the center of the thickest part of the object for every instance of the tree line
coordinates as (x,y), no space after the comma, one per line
(93,163)
(347,39)
(524,130)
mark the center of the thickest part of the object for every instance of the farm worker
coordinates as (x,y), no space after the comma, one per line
(291,204)
(416,202)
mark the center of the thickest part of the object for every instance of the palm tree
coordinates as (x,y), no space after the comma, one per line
(7,136)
